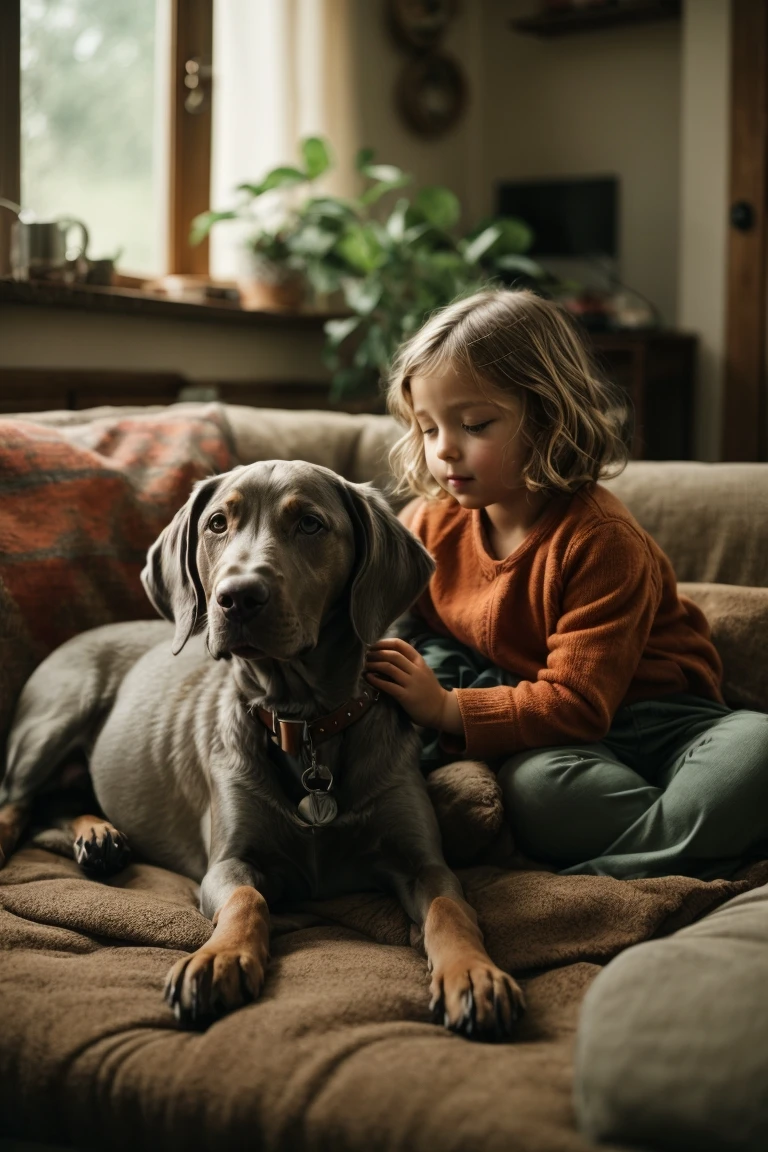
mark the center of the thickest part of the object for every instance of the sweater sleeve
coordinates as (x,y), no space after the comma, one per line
(611,591)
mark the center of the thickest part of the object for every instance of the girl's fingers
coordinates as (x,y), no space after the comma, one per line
(396,659)
(399,675)
(394,644)
(384,685)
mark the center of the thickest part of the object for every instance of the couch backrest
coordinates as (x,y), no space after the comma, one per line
(710,519)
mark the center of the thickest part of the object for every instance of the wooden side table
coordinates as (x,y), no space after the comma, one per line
(658,371)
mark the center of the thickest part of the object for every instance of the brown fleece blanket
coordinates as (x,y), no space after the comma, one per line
(339,1052)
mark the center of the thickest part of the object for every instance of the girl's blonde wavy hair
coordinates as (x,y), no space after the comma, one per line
(514,345)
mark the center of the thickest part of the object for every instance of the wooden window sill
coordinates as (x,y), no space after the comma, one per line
(134,302)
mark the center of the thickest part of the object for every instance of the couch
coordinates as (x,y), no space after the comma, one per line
(339,1053)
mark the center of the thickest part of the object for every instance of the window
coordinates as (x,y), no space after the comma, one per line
(94,85)
(111,128)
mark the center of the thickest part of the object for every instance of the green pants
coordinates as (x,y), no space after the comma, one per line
(678,786)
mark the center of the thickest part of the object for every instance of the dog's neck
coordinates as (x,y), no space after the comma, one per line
(310,685)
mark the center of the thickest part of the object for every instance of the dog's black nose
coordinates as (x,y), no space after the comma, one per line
(241,596)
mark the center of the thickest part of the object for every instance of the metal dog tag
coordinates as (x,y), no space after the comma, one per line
(318,808)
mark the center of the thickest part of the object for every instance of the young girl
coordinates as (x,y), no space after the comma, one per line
(551,641)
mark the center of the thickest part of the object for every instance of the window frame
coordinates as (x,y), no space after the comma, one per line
(189,178)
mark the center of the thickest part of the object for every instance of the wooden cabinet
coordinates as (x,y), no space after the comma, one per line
(658,372)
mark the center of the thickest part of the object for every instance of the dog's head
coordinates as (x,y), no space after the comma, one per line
(265,553)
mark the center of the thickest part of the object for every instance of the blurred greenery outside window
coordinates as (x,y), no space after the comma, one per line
(95,77)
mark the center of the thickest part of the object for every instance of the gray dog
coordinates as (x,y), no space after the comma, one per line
(265,768)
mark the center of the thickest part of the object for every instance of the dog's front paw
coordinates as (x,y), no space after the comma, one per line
(211,982)
(476,999)
(100,849)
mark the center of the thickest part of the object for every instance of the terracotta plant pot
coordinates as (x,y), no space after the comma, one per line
(284,295)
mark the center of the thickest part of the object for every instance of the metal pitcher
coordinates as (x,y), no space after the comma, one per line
(40,249)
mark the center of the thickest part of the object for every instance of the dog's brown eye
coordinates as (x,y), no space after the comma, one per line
(309,525)
(218,522)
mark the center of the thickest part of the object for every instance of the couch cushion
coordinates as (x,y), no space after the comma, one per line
(356,446)
(739,621)
(672,1049)
(710,519)
(81,506)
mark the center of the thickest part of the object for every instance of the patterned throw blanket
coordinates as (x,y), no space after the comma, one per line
(79,507)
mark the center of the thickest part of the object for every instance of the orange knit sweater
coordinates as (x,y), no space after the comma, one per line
(585,611)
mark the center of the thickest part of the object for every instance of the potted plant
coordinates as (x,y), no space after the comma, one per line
(275,276)
(391,269)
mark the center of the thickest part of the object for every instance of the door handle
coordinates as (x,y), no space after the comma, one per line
(742,216)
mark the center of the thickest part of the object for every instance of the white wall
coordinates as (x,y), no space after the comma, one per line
(37,337)
(599,103)
(454,160)
(704,160)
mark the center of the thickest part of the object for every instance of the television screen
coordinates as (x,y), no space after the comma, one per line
(574,217)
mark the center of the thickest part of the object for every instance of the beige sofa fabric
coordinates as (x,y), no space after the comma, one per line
(710,519)
(739,621)
(672,1045)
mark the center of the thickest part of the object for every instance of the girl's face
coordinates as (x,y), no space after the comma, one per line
(473,447)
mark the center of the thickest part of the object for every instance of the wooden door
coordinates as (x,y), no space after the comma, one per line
(745,403)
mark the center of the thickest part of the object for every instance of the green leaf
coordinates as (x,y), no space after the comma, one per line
(361,248)
(202,224)
(364,158)
(338,330)
(330,207)
(317,158)
(362,295)
(373,351)
(515,236)
(477,248)
(439,206)
(277,178)
(396,223)
(350,381)
(416,232)
(322,277)
(312,240)
(524,264)
(386,173)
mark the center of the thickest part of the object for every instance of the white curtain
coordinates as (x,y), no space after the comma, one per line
(282,70)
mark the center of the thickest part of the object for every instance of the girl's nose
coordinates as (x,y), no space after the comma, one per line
(446,449)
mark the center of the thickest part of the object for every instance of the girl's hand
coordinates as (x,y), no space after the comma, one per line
(413,684)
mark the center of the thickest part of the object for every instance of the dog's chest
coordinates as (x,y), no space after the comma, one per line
(304,860)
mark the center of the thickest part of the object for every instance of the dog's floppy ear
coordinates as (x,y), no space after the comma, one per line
(170,576)
(391,567)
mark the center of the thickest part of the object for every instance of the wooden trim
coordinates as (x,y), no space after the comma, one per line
(745,434)
(10,121)
(130,302)
(564,22)
(190,135)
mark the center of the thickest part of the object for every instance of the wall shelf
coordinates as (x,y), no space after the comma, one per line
(566,21)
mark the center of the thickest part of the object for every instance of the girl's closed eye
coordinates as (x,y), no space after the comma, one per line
(472,429)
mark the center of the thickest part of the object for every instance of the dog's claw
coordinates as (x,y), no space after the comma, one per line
(198,998)
(486,1008)
(103,853)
